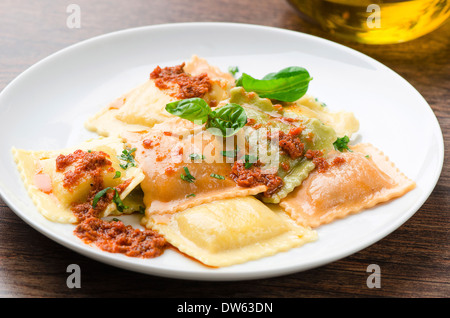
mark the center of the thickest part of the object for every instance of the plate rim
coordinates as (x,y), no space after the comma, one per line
(104,257)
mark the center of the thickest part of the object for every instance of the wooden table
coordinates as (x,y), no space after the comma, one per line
(414,259)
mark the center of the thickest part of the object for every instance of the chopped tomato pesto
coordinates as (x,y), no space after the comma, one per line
(253,176)
(112,237)
(322,165)
(116,237)
(290,144)
(189,86)
(84,162)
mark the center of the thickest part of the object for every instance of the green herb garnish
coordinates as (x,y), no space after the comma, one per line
(190,195)
(118,201)
(141,210)
(192,109)
(115,219)
(223,121)
(226,120)
(249,160)
(195,156)
(128,158)
(230,153)
(99,195)
(217,176)
(188,177)
(117,175)
(233,70)
(288,85)
(341,144)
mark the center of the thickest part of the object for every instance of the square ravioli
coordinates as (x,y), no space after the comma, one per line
(174,180)
(144,106)
(352,181)
(59,180)
(230,231)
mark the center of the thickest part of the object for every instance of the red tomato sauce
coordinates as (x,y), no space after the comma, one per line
(84,163)
(110,236)
(116,237)
(189,86)
(253,176)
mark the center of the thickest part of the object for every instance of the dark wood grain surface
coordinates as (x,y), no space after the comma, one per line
(414,259)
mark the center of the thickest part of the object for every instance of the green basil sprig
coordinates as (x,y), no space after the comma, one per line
(193,109)
(228,119)
(287,85)
(225,120)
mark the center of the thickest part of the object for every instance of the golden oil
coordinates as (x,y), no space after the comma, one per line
(376,21)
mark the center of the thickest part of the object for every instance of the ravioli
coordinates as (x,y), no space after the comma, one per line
(138,109)
(197,65)
(144,106)
(170,152)
(344,123)
(230,231)
(365,179)
(220,200)
(54,200)
(314,135)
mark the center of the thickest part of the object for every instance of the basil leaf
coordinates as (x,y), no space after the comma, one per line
(98,196)
(238,82)
(193,109)
(118,201)
(287,85)
(227,119)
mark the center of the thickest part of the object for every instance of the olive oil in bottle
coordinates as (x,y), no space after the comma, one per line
(376,21)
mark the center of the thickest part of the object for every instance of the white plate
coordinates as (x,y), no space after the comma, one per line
(45,108)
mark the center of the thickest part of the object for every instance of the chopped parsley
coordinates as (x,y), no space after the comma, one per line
(128,158)
(341,144)
(321,103)
(99,195)
(115,219)
(195,156)
(217,176)
(367,156)
(230,153)
(233,70)
(188,177)
(116,199)
(249,160)
(117,175)
(190,195)
(141,210)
